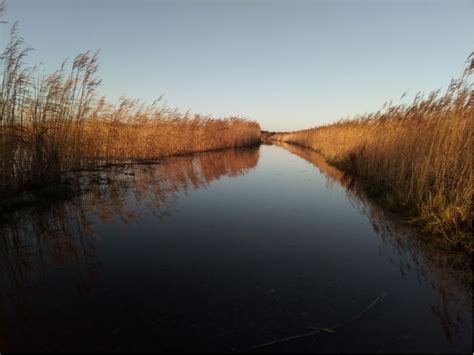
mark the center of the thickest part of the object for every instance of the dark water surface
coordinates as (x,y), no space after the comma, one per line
(223,251)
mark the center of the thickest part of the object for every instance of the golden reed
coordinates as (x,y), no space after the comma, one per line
(55,124)
(415,158)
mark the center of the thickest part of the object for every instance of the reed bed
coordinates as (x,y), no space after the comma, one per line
(415,158)
(53,124)
(455,266)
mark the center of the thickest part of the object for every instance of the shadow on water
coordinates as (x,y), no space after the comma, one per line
(71,280)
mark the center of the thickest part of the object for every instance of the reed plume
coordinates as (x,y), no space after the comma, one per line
(53,124)
(415,158)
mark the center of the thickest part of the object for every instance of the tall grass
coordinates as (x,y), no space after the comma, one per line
(56,123)
(432,260)
(415,158)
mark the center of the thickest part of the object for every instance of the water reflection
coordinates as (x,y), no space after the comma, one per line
(149,255)
(62,237)
(413,252)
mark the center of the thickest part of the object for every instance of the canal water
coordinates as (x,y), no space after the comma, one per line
(236,251)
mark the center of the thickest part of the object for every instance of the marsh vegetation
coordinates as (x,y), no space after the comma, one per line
(201,253)
(53,124)
(414,158)
(146,229)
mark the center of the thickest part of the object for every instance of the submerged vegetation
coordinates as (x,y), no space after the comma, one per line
(54,124)
(415,159)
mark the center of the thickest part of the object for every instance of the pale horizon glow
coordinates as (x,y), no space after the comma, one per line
(287,64)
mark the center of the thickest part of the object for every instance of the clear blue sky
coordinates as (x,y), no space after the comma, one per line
(287,64)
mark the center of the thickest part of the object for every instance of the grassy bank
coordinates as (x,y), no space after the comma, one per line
(416,159)
(403,238)
(55,123)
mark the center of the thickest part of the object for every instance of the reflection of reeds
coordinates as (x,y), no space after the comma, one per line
(450,275)
(332,173)
(156,186)
(55,124)
(63,236)
(33,242)
(416,158)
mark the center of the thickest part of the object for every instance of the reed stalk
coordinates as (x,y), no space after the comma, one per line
(416,158)
(53,124)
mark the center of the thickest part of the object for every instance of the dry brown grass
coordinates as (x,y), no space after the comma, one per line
(416,158)
(53,124)
(447,267)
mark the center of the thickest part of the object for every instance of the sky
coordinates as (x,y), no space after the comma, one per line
(287,64)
